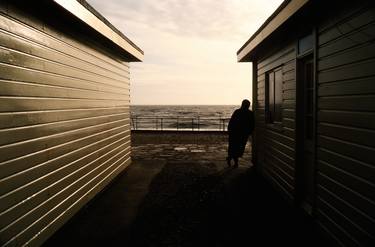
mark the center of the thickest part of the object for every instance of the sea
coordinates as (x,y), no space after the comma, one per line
(181,117)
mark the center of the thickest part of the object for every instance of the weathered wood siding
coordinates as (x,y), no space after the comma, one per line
(64,126)
(346,127)
(275,145)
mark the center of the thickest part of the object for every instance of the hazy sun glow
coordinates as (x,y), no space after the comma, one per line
(190,47)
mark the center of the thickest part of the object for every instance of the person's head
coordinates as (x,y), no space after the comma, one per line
(245,104)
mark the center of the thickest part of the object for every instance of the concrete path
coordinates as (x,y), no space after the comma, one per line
(185,195)
(110,215)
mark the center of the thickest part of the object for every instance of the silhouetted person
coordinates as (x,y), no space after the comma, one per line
(240,127)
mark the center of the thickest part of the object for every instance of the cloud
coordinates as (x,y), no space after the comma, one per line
(190,47)
(207,18)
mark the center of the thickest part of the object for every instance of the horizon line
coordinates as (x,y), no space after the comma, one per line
(183,104)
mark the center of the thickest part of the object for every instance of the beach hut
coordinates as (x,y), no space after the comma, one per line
(64,113)
(313,65)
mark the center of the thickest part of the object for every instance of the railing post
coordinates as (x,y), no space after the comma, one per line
(157,122)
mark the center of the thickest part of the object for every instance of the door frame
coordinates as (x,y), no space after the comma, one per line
(299,118)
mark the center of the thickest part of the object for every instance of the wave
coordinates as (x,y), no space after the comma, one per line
(188,116)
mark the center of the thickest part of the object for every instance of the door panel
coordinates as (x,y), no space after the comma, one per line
(305,131)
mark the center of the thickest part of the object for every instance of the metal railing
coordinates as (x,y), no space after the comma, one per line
(179,123)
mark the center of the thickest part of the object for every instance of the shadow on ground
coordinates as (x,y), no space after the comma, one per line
(180,196)
(194,205)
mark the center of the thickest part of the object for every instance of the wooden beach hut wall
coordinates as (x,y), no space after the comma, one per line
(313,68)
(64,113)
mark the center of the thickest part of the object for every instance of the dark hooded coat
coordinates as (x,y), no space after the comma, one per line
(240,127)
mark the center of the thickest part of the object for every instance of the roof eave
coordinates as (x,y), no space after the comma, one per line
(92,20)
(287,9)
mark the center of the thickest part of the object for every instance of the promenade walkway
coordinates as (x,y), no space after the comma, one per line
(185,195)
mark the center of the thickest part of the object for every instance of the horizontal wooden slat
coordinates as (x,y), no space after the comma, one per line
(71,47)
(348,195)
(77,203)
(289,85)
(338,27)
(259,114)
(345,124)
(349,118)
(279,146)
(289,104)
(348,103)
(289,113)
(355,151)
(74,189)
(280,137)
(261,103)
(9,136)
(289,132)
(278,167)
(261,91)
(289,123)
(357,235)
(17,43)
(64,123)
(290,75)
(352,134)
(278,181)
(346,72)
(287,160)
(17,104)
(12,88)
(347,57)
(261,77)
(14,150)
(261,84)
(358,36)
(289,94)
(355,214)
(75,160)
(335,231)
(53,154)
(261,97)
(279,55)
(348,164)
(284,57)
(289,67)
(32,62)
(349,87)
(364,187)
(20,74)
(20,119)
(285,163)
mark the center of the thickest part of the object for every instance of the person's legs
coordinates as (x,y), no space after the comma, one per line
(235,161)
(229,160)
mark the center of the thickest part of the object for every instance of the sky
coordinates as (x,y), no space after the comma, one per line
(190,47)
